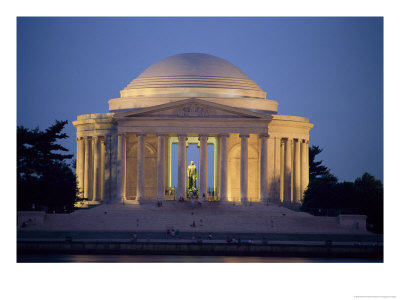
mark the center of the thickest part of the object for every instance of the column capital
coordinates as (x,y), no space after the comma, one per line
(244,135)
(203,135)
(263,135)
(225,135)
(122,134)
(140,134)
(286,139)
(161,134)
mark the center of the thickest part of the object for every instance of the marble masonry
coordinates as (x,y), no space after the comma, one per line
(192,98)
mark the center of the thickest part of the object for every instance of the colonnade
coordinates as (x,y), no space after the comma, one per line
(203,166)
(90,167)
(286,164)
(295,169)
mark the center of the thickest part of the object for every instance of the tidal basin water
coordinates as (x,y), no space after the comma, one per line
(34,258)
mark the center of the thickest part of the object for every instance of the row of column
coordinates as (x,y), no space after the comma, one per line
(182,165)
(294,181)
(181,192)
(295,168)
(224,167)
(121,167)
(89,167)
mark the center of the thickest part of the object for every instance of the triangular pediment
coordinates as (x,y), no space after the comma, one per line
(191,108)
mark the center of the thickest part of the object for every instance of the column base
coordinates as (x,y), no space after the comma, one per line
(181,196)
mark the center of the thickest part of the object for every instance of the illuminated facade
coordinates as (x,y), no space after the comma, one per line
(125,154)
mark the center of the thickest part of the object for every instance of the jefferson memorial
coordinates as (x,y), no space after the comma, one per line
(125,154)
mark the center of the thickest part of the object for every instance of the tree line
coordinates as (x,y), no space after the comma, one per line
(325,195)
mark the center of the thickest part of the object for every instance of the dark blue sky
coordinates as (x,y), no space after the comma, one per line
(327,69)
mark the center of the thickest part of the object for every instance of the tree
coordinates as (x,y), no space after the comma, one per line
(324,192)
(320,193)
(370,196)
(44,178)
(321,180)
(363,196)
(316,168)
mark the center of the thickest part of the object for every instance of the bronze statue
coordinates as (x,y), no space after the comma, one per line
(192,175)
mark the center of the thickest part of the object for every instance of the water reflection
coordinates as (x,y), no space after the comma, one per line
(32,258)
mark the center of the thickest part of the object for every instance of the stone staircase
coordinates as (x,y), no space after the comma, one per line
(210,216)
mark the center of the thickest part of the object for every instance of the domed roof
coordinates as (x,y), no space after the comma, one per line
(193,75)
(193,64)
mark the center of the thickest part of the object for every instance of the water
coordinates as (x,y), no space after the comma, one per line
(35,258)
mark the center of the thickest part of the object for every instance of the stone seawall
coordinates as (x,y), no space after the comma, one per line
(198,248)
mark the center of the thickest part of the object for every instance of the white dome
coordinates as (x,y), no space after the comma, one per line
(193,64)
(193,75)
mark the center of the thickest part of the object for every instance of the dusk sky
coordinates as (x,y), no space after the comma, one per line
(329,70)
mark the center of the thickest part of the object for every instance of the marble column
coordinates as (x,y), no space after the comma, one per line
(96,169)
(181,166)
(121,168)
(270,168)
(243,167)
(86,175)
(80,164)
(282,167)
(107,189)
(224,168)
(203,166)
(296,173)
(102,167)
(140,167)
(302,167)
(185,165)
(277,169)
(263,168)
(160,167)
(114,163)
(288,171)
